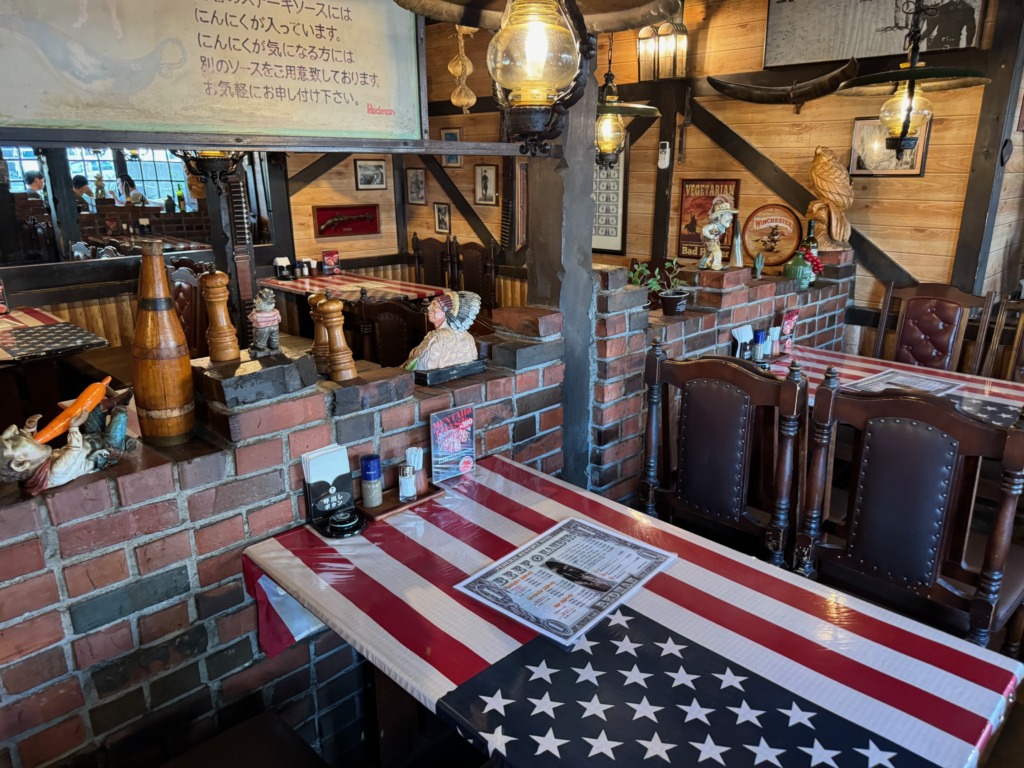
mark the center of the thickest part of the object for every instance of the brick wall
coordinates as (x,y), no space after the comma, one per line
(125,632)
(721,302)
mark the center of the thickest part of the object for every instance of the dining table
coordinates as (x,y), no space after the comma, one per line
(28,334)
(993,400)
(719,658)
(351,286)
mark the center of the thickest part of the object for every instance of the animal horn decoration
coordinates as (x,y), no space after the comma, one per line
(751,86)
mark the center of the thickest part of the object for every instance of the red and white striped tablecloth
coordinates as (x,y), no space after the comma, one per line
(347,285)
(715,628)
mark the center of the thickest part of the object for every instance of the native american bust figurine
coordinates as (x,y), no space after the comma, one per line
(450,343)
(37,466)
(831,182)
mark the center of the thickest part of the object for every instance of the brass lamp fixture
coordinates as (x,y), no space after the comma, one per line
(213,164)
(907,109)
(661,50)
(610,131)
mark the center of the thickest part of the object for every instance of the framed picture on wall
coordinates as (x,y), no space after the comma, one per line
(485,184)
(522,201)
(442,218)
(695,203)
(371,174)
(609,234)
(451,134)
(869,157)
(415,186)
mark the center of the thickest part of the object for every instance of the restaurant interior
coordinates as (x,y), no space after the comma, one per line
(741,282)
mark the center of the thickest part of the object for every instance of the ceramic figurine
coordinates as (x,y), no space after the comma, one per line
(720,216)
(758,265)
(450,343)
(831,182)
(94,442)
(265,321)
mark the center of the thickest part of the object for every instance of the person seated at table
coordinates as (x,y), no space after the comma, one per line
(83,193)
(35,183)
(127,191)
(450,343)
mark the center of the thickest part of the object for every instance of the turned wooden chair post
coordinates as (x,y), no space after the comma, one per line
(652,439)
(791,409)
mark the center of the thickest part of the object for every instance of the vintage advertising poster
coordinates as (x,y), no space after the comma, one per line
(452,446)
(567,579)
(697,198)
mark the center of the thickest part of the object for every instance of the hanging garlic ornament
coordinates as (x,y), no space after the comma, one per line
(461,68)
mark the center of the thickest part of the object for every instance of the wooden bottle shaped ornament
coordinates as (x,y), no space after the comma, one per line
(220,334)
(341,367)
(161,370)
(321,349)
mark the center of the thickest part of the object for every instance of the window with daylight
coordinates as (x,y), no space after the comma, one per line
(158,173)
(20,160)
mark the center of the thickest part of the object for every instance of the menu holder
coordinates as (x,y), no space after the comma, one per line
(392,504)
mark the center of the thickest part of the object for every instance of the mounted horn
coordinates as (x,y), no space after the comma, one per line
(753,86)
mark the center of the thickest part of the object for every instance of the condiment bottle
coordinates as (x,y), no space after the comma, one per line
(373,492)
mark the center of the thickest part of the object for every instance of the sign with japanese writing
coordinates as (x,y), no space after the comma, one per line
(302,68)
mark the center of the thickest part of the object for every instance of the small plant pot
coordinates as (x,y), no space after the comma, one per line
(673,303)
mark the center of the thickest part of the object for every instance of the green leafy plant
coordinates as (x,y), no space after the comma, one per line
(664,279)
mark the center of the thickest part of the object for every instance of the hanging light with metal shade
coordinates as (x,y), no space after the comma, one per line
(907,109)
(612,115)
(661,50)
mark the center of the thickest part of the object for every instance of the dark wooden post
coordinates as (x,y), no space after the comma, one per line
(791,409)
(65,210)
(668,105)
(649,483)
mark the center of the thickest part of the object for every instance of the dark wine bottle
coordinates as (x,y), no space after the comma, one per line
(810,242)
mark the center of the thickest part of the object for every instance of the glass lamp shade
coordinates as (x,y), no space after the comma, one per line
(894,112)
(610,134)
(535,55)
(672,43)
(647,54)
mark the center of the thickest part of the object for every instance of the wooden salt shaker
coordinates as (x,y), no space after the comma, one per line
(220,334)
(341,366)
(321,349)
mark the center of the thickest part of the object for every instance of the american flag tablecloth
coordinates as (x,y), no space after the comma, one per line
(992,400)
(347,285)
(721,659)
(31,334)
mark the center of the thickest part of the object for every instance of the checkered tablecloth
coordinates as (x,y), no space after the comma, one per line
(31,334)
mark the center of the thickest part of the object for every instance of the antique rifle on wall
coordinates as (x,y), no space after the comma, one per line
(341,218)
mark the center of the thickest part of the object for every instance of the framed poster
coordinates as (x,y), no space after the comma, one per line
(415,186)
(451,134)
(869,157)
(371,174)
(485,184)
(610,207)
(698,195)
(805,31)
(774,230)
(346,220)
(442,218)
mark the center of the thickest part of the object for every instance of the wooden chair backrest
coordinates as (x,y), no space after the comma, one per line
(902,536)
(433,261)
(191,310)
(475,268)
(395,328)
(931,325)
(1008,364)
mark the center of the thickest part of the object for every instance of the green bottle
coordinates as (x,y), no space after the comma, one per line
(181,200)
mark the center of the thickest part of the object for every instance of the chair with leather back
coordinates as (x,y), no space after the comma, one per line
(475,265)
(931,324)
(896,526)
(191,309)
(1006,363)
(390,330)
(433,261)
(710,422)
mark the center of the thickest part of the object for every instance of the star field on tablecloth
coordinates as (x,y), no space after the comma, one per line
(1000,414)
(665,701)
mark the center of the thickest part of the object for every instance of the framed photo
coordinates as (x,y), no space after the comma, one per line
(869,157)
(522,201)
(371,174)
(485,184)
(451,134)
(609,235)
(346,220)
(442,218)
(415,186)
(696,201)
(774,230)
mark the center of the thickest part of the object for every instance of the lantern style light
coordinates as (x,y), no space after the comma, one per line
(661,50)
(913,110)
(610,131)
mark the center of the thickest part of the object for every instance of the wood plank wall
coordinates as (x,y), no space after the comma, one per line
(112,318)
(1004,266)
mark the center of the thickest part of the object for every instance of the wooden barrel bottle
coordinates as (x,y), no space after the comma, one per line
(161,369)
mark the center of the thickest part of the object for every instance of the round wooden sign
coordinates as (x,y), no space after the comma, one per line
(773,230)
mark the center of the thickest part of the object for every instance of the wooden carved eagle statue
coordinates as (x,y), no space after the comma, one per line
(831,183)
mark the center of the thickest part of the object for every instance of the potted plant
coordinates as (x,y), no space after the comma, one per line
(665,282)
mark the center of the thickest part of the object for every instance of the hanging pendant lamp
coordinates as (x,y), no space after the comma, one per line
(612,116)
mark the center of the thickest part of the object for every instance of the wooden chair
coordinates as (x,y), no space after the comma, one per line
(390,330)
(1006,364)
(931,324)
(902,532)
(712,439)
(475,271)
(191,310)
(433,262)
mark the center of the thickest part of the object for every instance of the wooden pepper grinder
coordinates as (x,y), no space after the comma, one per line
(320,350)
(220,334)
(341,366)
